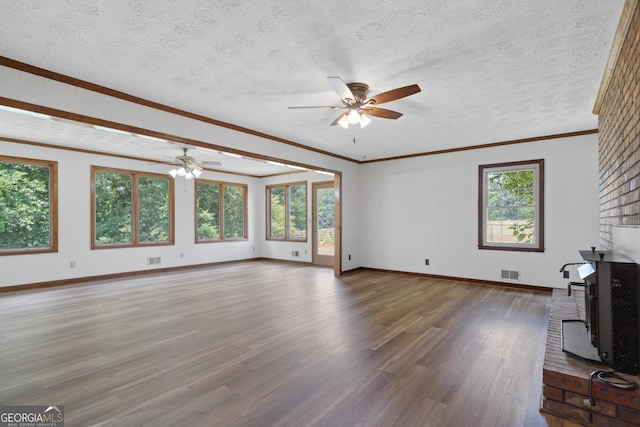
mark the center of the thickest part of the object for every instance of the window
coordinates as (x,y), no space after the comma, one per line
(287,212)
(28,206)
(131,208)
(511,214)
(221,211)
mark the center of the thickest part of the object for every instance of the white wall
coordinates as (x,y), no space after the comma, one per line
(394,214)
(74,181)
(626,240)
(427,207)
(283,250)
(74,227)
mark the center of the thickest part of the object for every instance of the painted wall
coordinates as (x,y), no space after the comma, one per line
(283,250)
(74,227)
(74,181)
(394,214)
(426,208)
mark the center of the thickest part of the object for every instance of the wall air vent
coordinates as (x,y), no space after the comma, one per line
(508,274)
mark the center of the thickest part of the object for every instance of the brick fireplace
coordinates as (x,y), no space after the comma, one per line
(566,377)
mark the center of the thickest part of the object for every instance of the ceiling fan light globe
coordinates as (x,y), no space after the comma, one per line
(344,122)
(182,172)
(196,173)
(173,172)
(188,175)
(364,120)
(354,117)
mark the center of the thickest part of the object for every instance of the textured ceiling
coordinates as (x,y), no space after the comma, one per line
(490,70)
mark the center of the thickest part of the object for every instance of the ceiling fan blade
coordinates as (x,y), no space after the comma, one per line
(341,88)
(394,94)
(335,122)
(382,113)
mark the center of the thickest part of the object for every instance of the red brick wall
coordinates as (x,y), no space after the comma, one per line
(619,147)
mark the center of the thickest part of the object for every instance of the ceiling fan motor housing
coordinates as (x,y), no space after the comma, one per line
(360,91)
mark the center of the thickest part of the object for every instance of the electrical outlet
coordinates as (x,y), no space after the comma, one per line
(426,261)
(565,274)
(72,264)
(349,257)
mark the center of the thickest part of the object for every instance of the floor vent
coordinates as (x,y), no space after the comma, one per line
(154,260)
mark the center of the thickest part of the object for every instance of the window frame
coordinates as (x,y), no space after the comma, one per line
(221,185)
(287,235)
(134,208)
(538,167)
(53,206)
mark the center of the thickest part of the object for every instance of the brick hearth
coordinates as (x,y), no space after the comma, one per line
(566,378)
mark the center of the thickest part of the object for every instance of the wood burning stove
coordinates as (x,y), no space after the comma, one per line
(612,304)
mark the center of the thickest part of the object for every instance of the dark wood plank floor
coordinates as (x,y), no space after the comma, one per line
(277,344)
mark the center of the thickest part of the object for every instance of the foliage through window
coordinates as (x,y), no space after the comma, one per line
(511,199)
(28,206)
(221,211)
(287,212)
(131,208)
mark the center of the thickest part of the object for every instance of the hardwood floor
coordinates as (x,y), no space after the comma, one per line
(277,344)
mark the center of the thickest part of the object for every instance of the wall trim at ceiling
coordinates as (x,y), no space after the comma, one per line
(21,66)
(31,69)
(488,145)
(88,120)
(616,47)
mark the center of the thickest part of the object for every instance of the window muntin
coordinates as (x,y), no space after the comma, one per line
(511,200)
(221,211)
(287,211)
(131,208)
(28,206)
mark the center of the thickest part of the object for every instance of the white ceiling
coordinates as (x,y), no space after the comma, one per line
(490,70)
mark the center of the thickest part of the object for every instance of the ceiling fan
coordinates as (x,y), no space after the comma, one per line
(188,166)
(355,99)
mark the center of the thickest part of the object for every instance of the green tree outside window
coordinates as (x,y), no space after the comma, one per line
(512,198)
(132,208)
(26,206)
(221,211)
(287,209)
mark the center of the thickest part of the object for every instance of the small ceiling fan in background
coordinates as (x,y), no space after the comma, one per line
(355,99)
(188,166)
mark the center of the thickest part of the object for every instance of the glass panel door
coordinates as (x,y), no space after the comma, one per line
(323,223)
